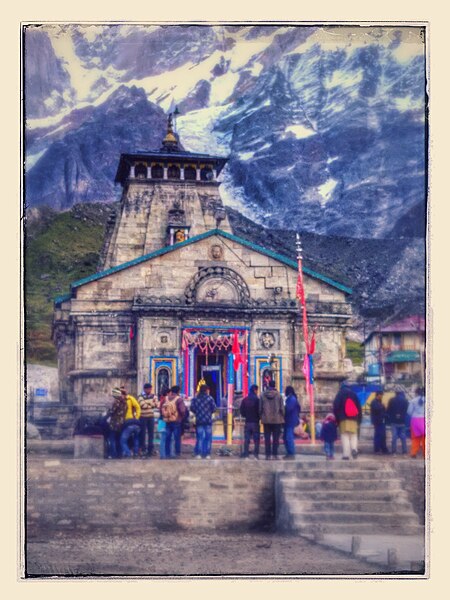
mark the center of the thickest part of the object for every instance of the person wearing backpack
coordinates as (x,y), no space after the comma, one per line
(348,413)
(203,406)
(116,417)
(173,411)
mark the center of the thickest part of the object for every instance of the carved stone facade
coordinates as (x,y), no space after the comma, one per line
(166,311)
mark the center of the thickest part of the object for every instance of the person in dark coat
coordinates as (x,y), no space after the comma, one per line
(348,413)
(328,434)
(249,409)
(377,417)
(396,413)
(291,421)
(272,417)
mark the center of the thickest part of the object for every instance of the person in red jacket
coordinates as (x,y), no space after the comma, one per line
(348,413)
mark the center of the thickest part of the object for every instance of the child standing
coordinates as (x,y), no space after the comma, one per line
(161,427)
(328,434)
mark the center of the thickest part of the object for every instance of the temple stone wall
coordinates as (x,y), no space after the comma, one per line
(99,353)
(171,273)
(145,496)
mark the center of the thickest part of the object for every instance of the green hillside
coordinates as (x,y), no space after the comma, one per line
(59,248)
(355,351)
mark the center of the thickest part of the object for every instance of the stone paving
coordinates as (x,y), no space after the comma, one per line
(205,553)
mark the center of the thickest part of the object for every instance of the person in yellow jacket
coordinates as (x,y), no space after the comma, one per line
(133,407)
(131,426)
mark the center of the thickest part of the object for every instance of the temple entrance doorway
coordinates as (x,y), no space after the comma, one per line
(212,369)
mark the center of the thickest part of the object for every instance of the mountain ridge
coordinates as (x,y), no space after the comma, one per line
(330,121)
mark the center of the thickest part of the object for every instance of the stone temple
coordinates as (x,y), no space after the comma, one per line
(176,289)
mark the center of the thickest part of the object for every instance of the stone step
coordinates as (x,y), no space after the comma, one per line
(342,495)
(304,527)
(339,474)
(345,485)
(356,466)
(374,518)
(360,463)
(360,505)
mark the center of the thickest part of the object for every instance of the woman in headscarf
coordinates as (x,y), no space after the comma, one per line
(291,421)
(416,411)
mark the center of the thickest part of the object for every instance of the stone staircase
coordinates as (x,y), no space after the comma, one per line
(351,497)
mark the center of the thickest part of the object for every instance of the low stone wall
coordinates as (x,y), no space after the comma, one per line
(67,495)
(140,496)
(412,474)
(55,421)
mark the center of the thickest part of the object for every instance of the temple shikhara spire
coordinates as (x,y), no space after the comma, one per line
(170,142)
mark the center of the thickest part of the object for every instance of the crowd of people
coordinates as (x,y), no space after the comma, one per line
(398,414)
(131,423)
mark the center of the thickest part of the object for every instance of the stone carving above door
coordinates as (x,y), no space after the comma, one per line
(217,285)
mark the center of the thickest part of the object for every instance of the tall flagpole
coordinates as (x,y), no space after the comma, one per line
(308,364)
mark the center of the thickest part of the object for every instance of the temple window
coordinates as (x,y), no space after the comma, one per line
(173,172)
(140,171)
(190,173)
(163,379)
(180,236)
(206,174)
(157,172)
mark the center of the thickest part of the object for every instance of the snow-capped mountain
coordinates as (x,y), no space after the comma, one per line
(324,126)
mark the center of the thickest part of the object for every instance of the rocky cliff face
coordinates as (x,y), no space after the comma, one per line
(324,126)
(81,165)
(48,86)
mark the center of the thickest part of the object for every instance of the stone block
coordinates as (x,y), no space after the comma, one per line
(88,446)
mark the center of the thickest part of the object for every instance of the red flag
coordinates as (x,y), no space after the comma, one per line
(236,350)
(300,291)
(245,366)
(312,344)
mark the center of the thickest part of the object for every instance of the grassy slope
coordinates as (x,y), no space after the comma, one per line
(355,351)
(63,249)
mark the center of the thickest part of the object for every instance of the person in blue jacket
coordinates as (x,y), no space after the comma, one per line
(291,420)
(328,434)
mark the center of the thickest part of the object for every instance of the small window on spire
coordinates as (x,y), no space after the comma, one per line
(157,172)
(140,171)
(190,174)
(173,172)
(206,174)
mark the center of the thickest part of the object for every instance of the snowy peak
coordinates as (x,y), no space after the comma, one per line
(324,125)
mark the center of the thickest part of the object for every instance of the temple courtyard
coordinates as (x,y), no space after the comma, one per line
(226,516)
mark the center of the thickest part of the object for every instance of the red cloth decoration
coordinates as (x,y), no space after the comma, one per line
(236,350)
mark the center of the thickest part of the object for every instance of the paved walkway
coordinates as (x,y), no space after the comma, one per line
(393,552)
